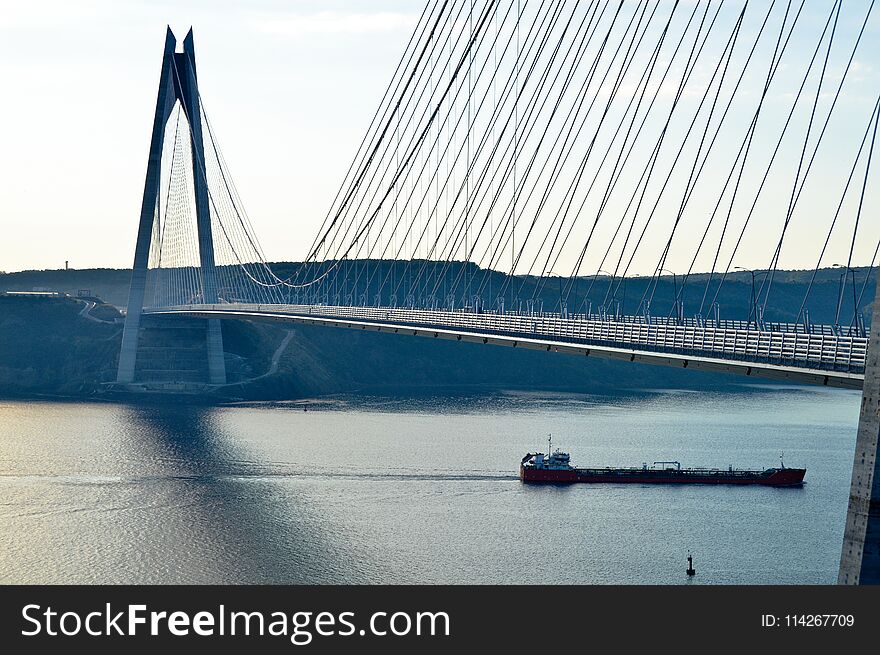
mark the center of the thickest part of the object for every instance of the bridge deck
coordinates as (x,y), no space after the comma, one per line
(816,358)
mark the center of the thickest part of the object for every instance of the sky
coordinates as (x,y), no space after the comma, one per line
(290,88)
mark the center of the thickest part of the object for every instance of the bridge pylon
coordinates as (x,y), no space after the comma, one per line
(177,83)
(860,556)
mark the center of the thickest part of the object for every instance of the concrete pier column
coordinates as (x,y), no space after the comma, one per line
(216,363)
(188,93)
(860,557)
(137,287)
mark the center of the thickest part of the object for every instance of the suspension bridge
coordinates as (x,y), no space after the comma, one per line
(527,159)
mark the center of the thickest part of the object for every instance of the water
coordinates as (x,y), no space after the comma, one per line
(420,490)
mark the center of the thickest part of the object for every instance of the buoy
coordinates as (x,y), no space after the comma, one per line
(690,568)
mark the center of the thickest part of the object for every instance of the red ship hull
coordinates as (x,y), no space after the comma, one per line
(778,477)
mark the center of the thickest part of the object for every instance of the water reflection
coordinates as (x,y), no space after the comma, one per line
(245,528)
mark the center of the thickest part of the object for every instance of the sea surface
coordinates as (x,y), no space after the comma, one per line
(420,490)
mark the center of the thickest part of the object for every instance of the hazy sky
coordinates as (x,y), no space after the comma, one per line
(290,88)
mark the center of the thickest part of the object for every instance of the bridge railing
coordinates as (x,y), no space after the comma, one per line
(727,324)
(820,350)
(857,329)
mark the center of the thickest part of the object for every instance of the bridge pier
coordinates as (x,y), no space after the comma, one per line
(860,556)
(216,363)
(177,82)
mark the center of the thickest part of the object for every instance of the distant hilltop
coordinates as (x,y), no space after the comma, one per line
(111,285)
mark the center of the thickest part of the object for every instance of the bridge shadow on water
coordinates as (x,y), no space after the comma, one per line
(229,519)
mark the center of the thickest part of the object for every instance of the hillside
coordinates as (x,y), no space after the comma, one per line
(787,295)
(46,347)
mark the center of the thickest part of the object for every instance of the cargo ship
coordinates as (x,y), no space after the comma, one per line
(556,468)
